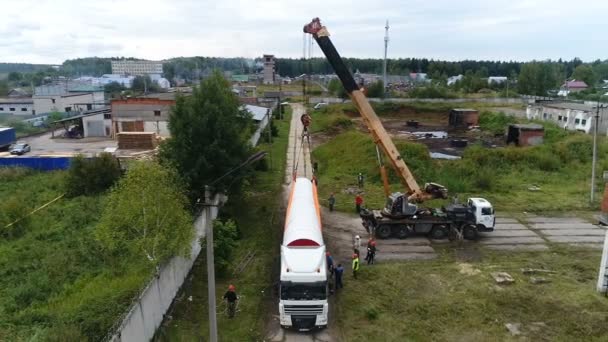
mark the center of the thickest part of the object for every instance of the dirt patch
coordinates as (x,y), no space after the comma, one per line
(468,253)
(468,269)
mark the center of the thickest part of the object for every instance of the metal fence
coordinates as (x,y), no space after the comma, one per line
(37,163)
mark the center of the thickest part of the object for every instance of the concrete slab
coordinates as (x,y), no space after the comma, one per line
(570,232)
(563,226)
(406,256)
(504,226)
(512,240)
(382,249)
(509,233)
(576,239)
(599,246)
(506,220)
(532,247)
(415,240)
(544,219)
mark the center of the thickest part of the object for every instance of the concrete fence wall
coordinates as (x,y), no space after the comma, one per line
(497,100)
(602,280)
(258,132)
(147,312)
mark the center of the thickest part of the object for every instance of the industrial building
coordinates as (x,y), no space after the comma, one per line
(568,115)
(147,114)
(269,71)
(67,97)
(17,106)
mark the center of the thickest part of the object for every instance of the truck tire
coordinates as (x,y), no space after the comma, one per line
(383,231)
(469,232)
(439,232)
(402,231)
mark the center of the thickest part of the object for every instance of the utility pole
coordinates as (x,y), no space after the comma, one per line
(269,128)
(210,266)
(594,162)
(384,78)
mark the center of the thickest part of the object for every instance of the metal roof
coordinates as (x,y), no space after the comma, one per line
(105,110)
(568,105)
(258,112)
(531,127)
(16,101)
(575,84)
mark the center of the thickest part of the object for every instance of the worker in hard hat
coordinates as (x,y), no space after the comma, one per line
(355,265)
(231,298)
(357,244)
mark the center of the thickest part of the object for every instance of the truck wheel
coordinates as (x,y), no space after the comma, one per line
(402,232)
(383,231)
(469,232)
(439,232)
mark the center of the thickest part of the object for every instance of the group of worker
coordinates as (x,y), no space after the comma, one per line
(338,271)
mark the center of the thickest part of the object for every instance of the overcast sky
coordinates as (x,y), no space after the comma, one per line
(50,31)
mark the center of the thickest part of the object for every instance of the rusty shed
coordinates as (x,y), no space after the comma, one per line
(463,118)
(525,135)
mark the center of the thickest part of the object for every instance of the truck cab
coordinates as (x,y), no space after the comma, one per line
(483,212)
(303,289)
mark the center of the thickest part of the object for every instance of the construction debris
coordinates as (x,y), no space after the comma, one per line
(503,278)
(137,140)
(529,271)
(468,269)
(514,328)
(539,280)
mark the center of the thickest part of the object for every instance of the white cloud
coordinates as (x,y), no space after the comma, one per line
(50,31)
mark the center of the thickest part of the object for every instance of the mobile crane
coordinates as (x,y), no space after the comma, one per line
(401,217)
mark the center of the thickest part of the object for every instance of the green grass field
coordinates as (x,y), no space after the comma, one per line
(560,167)
(434,301)
(55,281)
(259,218)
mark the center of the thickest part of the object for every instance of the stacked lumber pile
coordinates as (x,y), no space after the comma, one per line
(137,140)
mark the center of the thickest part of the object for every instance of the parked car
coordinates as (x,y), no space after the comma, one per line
(20,148)
(320,105)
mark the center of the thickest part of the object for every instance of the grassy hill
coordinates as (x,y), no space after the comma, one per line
(55,283)
(560,167)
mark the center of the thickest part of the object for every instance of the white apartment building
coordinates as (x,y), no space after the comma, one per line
(124,67)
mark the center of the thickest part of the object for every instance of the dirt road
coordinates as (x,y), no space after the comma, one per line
(298,161)
(297,148)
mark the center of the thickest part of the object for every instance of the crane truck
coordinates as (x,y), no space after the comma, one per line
(401,217)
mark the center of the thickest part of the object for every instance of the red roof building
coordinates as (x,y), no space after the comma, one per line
(575,86)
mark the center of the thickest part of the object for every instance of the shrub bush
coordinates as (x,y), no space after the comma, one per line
(495,122)
(224,241)
(91,176)
(371,313)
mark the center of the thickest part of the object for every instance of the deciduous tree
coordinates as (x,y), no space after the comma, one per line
(209,135)
(584,73)
(145,215)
